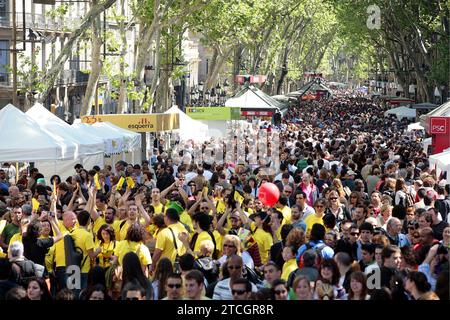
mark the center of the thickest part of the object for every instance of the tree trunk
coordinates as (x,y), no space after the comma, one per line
(237,60)
(96,67)
(123,81)
(156,73)
(51,76)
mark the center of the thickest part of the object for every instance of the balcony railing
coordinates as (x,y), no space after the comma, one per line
(40,21)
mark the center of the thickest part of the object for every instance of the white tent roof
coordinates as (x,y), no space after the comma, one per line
(132,139)
(24,140)
(402,112)
(189,128)
(441,160)
(414,126)
(253,98)
(113,141)
(51,123)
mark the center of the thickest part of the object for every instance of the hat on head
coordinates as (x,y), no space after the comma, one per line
(40,181)
(351,173)
(175,205)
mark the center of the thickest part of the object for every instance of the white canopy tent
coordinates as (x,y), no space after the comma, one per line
(414,126)
(25,141)
(441,161)
(402,112)
(253,98)
(89,152)
(189,128)
(132,141)
(113,142)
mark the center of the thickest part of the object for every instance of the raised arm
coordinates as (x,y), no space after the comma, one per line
(165,192)
(145,215)
(90,206)
(222,220)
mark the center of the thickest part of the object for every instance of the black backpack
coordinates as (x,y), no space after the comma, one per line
(26,270)
(209,267)
(74,254)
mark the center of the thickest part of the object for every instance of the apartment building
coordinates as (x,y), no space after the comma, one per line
(41,36)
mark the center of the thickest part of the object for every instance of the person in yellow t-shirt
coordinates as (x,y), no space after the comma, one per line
(133,217)
(319,207)
(84,240)
(202,226)
(156,201)
(261,232)
(290,263)
(106,241)
(167,239)
(134,243)
(285,210)
(57,253)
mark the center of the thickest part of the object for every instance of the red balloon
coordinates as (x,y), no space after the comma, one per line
(268,194)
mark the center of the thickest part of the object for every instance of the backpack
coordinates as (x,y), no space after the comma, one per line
(318,249)
(74,254)
(27,270)
(209,267)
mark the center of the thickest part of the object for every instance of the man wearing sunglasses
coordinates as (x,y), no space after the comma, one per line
(241,289)
(174,287)
(234,267)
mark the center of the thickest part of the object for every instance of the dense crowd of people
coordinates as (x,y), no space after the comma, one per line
(361,216)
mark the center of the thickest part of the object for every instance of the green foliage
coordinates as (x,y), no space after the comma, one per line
(28,73)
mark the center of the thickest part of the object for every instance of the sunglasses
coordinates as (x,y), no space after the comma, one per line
(354,233)
(319,206)
(234,267)
(334,198)
(174,285)
(229,246)
(238,292)
(280,291)
(134,298)
(204,208)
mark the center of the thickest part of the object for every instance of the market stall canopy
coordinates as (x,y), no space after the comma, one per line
(308,87)
(441,160)
(402,112)
(113,141)
(414,126)
(86,145)
(24,140)
(424,105)
(189,128)
(442,111)
(253,98)
(132,140)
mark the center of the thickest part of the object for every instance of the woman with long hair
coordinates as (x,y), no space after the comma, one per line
(358,287)
(354,200)
(131,272)
(418,286)
(262,233)
(329,273)
(163,269)
(37,289)
(107,243)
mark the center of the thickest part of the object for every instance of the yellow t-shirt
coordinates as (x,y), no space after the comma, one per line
(220,205)
(3,224)
(265,242)
(125,246)
(159,208)
(311,220)
(219,240)
(185,219)
(59,251)
(288,267)
(201,236)
(84,240)
(97,225)
(286,211)
(16,237)
(164,241)
(106,253)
